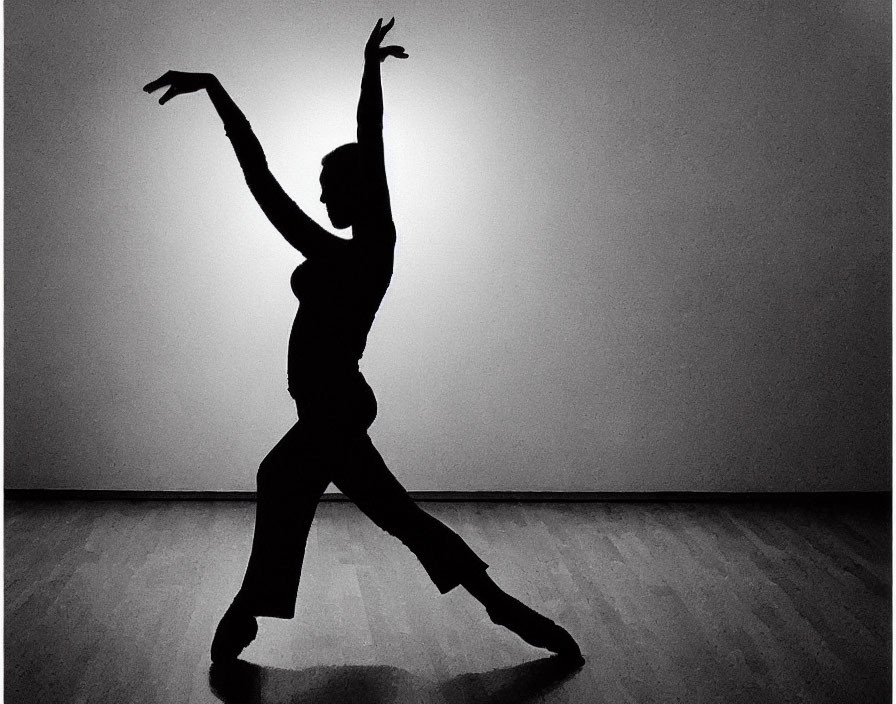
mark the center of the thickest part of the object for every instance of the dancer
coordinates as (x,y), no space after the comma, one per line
(339,286)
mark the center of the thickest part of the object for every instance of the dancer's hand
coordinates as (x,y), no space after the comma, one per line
(178,82)
(374,52)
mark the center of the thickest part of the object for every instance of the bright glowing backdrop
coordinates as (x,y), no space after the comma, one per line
(642,245)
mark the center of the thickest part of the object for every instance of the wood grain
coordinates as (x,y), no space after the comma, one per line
(116,601)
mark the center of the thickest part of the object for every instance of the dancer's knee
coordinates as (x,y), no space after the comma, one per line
(265,474)
(270,473)
(408,522)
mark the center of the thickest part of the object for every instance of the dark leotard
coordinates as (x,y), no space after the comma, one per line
(339,294)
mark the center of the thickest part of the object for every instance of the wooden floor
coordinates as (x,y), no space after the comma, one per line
(116,601)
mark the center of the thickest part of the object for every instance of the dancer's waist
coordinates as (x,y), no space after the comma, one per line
(334,399)
(319,380)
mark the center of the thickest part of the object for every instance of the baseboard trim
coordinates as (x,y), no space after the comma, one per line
(462,496)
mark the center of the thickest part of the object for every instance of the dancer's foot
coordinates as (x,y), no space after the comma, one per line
(534,628)
(235,631)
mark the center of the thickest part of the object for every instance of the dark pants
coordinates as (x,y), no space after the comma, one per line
(291,480)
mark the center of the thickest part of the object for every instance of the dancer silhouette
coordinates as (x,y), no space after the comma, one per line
(339,286)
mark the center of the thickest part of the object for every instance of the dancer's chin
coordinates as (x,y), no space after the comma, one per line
(339,221)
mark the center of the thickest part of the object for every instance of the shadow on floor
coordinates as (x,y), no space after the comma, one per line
(247,683)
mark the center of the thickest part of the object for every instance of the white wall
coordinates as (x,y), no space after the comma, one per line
(643,245)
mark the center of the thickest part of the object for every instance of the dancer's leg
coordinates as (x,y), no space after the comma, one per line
(290,482)
(527,623)
(363,477)
(450,562)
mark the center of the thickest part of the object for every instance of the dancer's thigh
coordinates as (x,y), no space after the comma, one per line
(299,458)
(362,475)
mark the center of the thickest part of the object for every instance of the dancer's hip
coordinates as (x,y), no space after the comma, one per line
(339,400)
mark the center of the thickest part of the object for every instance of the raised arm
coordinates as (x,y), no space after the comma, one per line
(296,227)
(375,205)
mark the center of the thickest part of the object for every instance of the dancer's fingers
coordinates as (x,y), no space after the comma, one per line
(169,94)
(156,84)
(385,30)
(375,34)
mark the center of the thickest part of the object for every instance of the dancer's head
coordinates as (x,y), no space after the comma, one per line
(340,184)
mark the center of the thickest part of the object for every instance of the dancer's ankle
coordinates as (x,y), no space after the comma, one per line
(484,590)
(239,607)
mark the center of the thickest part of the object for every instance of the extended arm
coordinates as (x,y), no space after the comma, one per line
(375,196)
(296,227)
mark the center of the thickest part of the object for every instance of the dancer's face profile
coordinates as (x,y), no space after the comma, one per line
(338,193)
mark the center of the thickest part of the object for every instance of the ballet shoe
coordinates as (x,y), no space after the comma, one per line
(536,630)
(235,631)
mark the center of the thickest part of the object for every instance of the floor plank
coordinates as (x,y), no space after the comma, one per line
(116,601)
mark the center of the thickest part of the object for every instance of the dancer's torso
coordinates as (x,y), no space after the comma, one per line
(339,294)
